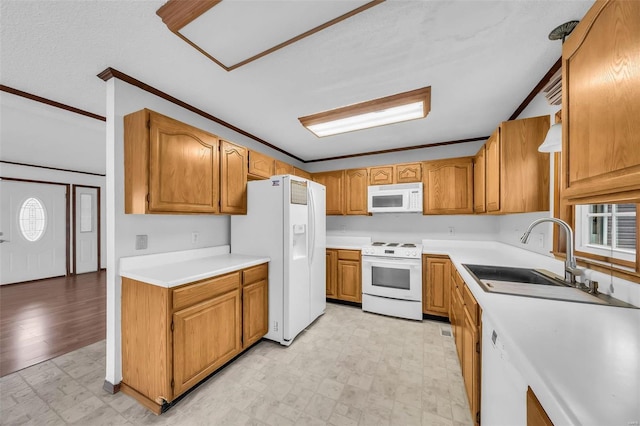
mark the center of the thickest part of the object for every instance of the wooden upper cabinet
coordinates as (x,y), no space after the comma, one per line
(261,166)
(170,167)
(283,168)
(492,172)
(479,168)
(517,175)
(333,181)
(356,184)
(601,105)
(407,173)
(233,178)
(301,173)
(381,175)
(536,415)
(448,186)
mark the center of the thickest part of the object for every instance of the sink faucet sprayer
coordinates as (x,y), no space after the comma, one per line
(570,267)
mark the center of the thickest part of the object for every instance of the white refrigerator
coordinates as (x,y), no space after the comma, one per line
(285,220)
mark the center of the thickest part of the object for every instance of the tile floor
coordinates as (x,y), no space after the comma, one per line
(348,368)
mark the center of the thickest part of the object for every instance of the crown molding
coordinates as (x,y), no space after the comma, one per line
(50,102)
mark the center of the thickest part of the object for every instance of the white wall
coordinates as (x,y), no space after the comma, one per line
(414,227)
(165,232)
(39,134)
(34,173)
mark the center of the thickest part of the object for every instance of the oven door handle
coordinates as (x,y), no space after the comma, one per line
(394,261)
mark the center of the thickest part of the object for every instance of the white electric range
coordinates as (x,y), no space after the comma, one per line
(392,279)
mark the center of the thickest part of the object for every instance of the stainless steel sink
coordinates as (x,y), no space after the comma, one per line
(535,283)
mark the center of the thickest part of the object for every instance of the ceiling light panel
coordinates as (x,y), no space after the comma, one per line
(378,112)
(235,32)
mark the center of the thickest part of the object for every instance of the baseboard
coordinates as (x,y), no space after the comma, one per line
(155,408)
(344,302)
(435,318)
(110,387)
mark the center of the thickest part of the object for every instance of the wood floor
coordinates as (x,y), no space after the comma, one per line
(40,320)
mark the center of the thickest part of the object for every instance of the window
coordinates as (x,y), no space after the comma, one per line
(33,220)
(607,230)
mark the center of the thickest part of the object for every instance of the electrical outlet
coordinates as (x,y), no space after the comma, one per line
(343,229)
(541,240)
(141,242)
(452,230)
(275,326)
(195,237)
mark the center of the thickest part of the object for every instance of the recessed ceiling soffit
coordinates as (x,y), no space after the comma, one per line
(235,33)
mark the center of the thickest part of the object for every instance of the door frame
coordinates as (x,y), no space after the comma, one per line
(98,225)
(67,215)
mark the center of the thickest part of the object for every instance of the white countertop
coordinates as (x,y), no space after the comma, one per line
(177,268)
(581,360)
(347,242)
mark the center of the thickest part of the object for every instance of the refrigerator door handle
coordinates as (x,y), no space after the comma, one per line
(312,226)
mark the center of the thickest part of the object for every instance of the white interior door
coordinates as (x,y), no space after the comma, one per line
(86,230)
(33,223)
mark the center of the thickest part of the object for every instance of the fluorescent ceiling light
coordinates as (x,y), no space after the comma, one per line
(378,112)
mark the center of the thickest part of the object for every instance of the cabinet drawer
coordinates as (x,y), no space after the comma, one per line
(203,290)
(254,274)
(348,254)
(471,305)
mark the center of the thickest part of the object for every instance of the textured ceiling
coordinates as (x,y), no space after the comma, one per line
(481,58)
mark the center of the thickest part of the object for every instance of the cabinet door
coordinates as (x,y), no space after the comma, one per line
(349,281)
(435,294)
(301,173)
(356,192)
(479,168)
(600,93)
(332,273)
(471,365)
(524,172)
(492,172)
(183,168)
(255,312)
(381,175)
(205,336)
(458,309)
(333,181)
(233,178)
(283,168)
(261,166)
(407,173)
(448,186)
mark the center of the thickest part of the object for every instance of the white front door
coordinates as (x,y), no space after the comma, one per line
(86,231)
(33,222)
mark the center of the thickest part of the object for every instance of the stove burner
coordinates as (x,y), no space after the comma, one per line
(378,244)
(393,244)
(411,245)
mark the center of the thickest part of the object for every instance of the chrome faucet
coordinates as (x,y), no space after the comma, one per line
(571,269)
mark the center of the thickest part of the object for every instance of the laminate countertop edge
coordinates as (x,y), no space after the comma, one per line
(174,274)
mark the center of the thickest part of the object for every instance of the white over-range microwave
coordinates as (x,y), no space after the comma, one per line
(399,198)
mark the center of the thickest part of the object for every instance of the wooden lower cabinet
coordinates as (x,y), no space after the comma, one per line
(465,316)
(172,338)
(536,416)
(205,336)
(348,275)
(255,304)
(436,275)
(332,273)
